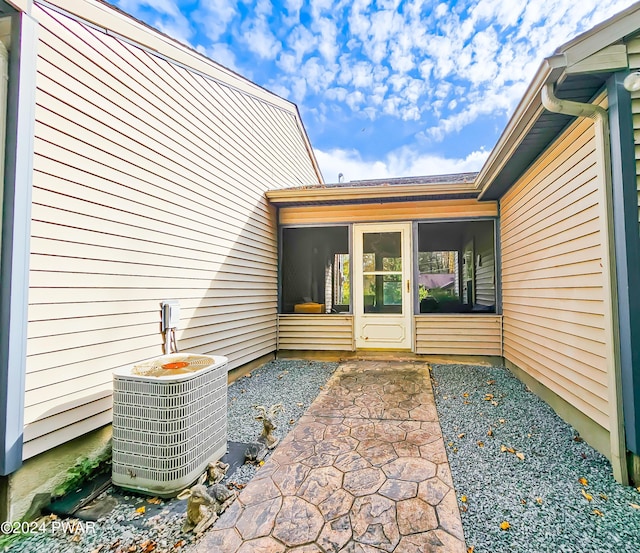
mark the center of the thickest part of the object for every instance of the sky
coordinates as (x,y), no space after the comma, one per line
(385,88)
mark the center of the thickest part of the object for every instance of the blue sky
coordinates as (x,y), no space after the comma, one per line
(385,87)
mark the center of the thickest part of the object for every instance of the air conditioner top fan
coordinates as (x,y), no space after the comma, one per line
(170,366)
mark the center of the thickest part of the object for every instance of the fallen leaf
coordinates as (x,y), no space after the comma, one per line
(504,525)
(490,432)
(634,505)
(300,404)
(471,548)
(583,481)
(494,403)
(148,546)
(480,444)
(292,421)
(589,497)
(113,545)
(503,448)
(491,382)
(445,397)
(523,501)
(465,394)
(520,455)
(132,548)
(141,510)
(154,501)
(502,421)
(463,499)
(488,397)
(597,512)
(98,549)
(539,500)
(461,435)
(577,439)
(450,444)
(76,538)
(178,544)
(455,450)
(466,402)
(603,497)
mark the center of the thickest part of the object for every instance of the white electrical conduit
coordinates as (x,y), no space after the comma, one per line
(616,418)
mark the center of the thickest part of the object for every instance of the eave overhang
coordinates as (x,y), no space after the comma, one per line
(358,194)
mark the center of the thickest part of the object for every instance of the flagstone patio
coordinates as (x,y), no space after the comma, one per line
(364,471)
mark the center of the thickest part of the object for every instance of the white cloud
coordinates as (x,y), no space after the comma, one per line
(259,39)
(224,55)
(403,161)
(318,76)
(214,16)
(327,33)
(301,41)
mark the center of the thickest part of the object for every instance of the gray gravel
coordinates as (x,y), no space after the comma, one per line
(293,383)
(540,496)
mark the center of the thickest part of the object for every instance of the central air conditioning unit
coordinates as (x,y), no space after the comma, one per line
(169,422)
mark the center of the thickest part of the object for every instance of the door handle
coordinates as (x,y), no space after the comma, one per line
(408,286)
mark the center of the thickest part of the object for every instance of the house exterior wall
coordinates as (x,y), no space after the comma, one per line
(315,332)
(149,182)
(387,211)
(459,334)
(552,275)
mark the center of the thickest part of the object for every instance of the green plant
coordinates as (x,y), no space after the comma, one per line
(82,471)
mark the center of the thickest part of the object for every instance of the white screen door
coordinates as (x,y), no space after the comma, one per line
(382,286)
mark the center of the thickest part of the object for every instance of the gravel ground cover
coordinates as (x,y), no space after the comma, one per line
(293,383)
(515,461)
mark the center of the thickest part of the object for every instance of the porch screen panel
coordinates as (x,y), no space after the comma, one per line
(315,270)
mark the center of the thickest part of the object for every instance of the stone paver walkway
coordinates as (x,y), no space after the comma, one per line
(364,471)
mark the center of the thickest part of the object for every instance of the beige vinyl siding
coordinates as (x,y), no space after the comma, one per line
(485,270)
(552,275)
(386,211)
(315,332)
(149,185)
(633,50)
(458,334)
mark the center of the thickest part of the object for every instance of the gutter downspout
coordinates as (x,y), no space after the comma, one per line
(603,152)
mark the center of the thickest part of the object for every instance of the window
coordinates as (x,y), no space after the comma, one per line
(382,272)
(456,268)
(315,271)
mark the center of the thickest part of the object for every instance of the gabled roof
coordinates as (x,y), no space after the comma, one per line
(580,69)
(402,188)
